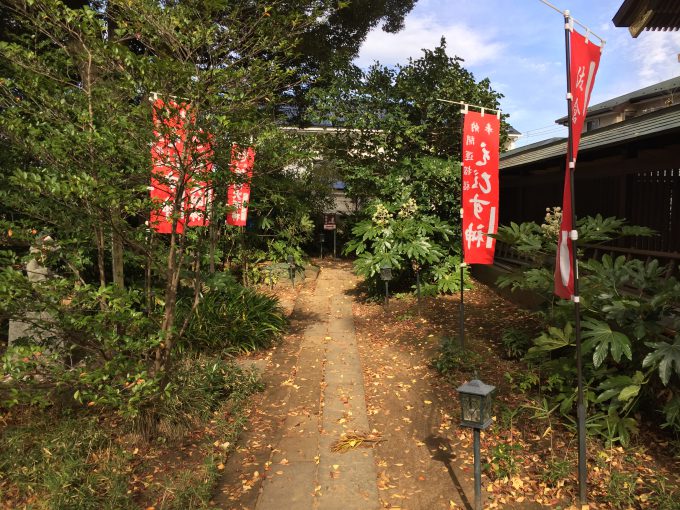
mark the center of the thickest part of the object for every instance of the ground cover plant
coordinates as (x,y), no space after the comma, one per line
(630,327)
(67,458)
(529,454)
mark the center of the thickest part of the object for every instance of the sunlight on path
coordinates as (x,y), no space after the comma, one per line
(314,394)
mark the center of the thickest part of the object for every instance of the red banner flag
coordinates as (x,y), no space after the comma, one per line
(238,194)
(166,151)
(199,188)
(171,163)
(480,186)
(585,59)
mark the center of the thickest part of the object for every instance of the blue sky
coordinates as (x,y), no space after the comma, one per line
(519,46)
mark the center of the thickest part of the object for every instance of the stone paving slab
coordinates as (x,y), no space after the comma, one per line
(327,399)
(314,394)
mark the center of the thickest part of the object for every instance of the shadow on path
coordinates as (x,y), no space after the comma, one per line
(441,451)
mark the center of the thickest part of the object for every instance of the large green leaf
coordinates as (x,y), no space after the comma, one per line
(665,356)
(552,340)
(599,335)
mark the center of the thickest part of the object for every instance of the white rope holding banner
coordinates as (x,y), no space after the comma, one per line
(566,13)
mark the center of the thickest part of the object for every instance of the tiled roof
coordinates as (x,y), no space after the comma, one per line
(658,89)
(652,123)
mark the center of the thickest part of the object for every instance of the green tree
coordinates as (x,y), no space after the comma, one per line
(76,126)
(397,143)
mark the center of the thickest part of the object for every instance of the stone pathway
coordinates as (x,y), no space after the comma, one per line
(314,394)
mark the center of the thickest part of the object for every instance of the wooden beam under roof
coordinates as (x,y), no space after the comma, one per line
(639,15)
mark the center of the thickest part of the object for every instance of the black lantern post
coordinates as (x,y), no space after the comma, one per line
(386,276)
(476,404)
(291,269)
(322,239)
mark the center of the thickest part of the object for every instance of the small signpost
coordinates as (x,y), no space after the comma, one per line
(329,224)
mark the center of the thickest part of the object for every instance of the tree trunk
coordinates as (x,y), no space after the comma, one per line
(117,263)
(101,248)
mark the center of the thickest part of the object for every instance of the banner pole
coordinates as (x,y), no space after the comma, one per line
(462,234)
(580,407)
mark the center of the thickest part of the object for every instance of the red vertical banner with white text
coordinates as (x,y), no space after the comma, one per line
(166,152)
(480,186)
(199,187)
(238,194)
(179,155)
(584,61)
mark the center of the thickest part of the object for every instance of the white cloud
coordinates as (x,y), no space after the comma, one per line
(656,54)
(475,46)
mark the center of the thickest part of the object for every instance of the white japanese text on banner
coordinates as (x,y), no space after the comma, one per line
(585,59)
(480,186)
(238,194)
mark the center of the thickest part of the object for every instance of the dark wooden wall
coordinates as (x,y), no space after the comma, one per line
(639,181)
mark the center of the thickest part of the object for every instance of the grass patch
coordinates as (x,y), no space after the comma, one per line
(63,463)
(74,460)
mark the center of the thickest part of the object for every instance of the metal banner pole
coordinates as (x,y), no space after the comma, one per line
(418,290)
(478,470)
(462,235)
(580,406)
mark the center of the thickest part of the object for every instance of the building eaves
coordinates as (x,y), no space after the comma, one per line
(639,127)
(640,15)
(531,146)
(656,90)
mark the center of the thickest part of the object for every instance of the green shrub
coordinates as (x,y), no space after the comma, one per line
(516,343)
(232,318)
(556,470)
(504,460)
(628,308)
(452,358)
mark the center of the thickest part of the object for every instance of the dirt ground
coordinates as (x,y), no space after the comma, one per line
(425,458)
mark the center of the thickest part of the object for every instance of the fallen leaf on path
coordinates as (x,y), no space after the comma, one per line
(354,439)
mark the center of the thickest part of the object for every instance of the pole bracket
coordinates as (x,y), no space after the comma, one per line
(573,235)
(576,299)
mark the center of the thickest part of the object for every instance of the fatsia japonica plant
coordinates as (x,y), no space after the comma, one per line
(629,320)
(400,235)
